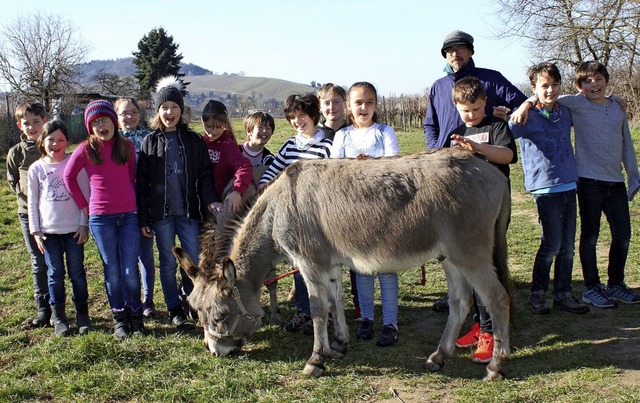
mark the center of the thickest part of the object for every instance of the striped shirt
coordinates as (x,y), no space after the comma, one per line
(290,152)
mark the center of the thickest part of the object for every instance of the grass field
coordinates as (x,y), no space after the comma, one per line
(556,358)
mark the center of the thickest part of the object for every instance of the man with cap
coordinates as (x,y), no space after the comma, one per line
(442,117)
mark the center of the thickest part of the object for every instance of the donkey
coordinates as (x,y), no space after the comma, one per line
(374,215)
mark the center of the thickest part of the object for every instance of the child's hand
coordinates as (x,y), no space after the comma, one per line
(261,185)
(39,237)
(233,201)
(623,104)
(462,142)
(82,234)
(521,114)
(215,207)
(146,232)
(501,112)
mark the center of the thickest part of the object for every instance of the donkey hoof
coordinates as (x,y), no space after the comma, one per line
(313,370)
(493,376)
(431,366)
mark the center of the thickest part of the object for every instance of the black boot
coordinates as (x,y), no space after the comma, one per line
(43,318)
(180,320)
(83,321)
(121,329)
(136,323)
(59,320)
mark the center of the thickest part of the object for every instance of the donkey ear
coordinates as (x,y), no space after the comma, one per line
(186,262)
(227,273)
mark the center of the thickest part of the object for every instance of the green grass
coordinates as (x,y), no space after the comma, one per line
(559,357)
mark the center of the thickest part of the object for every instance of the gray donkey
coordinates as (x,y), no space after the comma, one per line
(374,215)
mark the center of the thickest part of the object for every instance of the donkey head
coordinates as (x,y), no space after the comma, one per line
(215,296)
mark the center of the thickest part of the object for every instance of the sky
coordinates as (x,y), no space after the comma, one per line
(394,44)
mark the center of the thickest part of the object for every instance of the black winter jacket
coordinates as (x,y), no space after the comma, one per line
(151,176)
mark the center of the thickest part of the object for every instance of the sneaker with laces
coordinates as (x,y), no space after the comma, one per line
(538,304)
(596,296)
(365,329)
(388,337)
(484,352)
(623,294)
(567,302)
(298,322)
(471,338)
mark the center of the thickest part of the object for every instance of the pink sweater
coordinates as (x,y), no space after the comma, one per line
(112,185)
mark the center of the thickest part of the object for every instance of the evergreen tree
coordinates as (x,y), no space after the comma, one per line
(157,57)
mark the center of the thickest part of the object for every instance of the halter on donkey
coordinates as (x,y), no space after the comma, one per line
(374,215)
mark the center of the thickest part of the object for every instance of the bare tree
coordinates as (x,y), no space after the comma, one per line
(38,56)
(570,32)
(116,85)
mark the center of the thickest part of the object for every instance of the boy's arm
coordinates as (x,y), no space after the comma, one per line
(630,162)
(277,166)
(520,115)
(13,172)
(493,153)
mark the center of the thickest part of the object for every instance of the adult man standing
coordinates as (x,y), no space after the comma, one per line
(442,117)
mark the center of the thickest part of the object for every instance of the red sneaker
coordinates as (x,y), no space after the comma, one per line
(470,339)
(484,353)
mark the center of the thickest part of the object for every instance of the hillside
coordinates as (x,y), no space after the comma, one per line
(258,87)
(204,82)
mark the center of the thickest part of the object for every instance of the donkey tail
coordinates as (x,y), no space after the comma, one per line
(500,253)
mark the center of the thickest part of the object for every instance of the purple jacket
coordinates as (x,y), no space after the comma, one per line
(442,117)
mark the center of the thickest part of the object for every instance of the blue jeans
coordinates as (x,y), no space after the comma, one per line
(188,232)
(58,247)
(594,198)
(147,267)
(557,217)
(117,237)
(302,294)
(38,264)
(388,295)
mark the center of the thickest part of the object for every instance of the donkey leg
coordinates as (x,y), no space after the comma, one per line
(274,308)
(340,330)
(317,285)
(497,303)
(460,300)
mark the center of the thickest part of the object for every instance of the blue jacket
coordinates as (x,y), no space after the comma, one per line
(546,152)
(442,117)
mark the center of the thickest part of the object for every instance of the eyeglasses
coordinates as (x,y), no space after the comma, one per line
(100,121)
(128,114)
(456,49)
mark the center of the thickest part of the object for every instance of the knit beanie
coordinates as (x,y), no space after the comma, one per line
(457,38)
(99,109)
(169,89)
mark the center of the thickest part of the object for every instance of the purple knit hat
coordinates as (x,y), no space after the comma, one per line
(99,109)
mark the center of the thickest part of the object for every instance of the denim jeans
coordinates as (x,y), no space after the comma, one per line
(557,217)
(38,264)
(61,247)
(594,198)
(302,294)
(388,295)
(117,237)
(188,232)
(147,267)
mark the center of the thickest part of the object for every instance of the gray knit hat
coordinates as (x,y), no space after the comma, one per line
(457,38)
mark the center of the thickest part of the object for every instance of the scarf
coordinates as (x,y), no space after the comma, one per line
(553,115)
